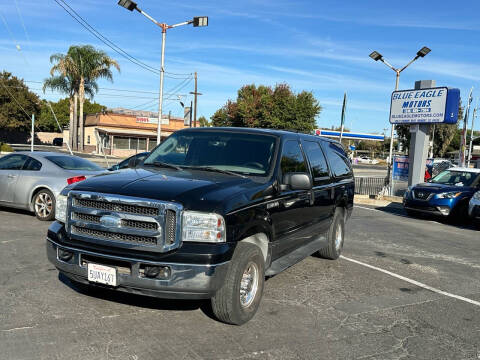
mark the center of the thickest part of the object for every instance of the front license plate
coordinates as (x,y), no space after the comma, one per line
(102,274)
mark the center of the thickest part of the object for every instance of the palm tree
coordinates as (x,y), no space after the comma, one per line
(90,64)
(78,71)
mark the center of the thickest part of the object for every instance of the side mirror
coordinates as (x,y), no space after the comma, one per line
(298,181)
(134,162)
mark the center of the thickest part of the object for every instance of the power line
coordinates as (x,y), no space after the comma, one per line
(23,24)
(77,17)
(113,89)
(103,39)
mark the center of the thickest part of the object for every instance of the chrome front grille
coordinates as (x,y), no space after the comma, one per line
(126,208)
(114,236)
(146,225)
(123,221)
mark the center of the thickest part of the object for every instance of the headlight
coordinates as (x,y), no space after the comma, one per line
(477,195)
(61,208)
(448,195)
(203,227)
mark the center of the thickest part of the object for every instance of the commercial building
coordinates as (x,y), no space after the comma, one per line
(123,132)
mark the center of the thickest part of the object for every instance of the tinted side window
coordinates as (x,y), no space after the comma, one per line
(292,158)
(32,165)
(12,162)
(339,162)
(316,158)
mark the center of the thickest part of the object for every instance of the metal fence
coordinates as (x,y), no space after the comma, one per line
(368,185)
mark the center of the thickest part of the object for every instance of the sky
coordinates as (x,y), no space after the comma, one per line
(318,46)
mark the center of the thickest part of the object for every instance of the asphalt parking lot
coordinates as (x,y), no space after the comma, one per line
(317,309)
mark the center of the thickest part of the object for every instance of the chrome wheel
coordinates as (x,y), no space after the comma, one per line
(338,237)
(249,284)
(43,205)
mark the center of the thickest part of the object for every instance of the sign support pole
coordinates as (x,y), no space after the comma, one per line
(419,143)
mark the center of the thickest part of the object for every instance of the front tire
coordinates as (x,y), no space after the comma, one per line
(239,298)
(336,237)
(44,205)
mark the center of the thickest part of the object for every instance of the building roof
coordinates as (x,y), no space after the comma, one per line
(131,122)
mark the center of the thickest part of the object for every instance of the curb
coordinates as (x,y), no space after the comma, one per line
(377,200)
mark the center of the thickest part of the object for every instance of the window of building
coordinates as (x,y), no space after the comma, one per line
(121,143)
(151,144)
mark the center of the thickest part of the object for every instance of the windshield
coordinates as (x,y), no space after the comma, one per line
(247,154)
(73,163)
(458,178)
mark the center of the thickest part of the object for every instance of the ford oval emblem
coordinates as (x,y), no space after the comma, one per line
(111,221)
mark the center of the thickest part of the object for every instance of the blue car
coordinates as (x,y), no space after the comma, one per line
(446,195)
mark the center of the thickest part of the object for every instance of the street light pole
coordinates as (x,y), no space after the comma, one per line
(377,56)
(198,21)
(162,75)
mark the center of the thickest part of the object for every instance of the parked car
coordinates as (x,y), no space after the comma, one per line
(436,167)
(58,141)
(124,164)
(447,194)
(474,209)
(33,180)
(366,160)
(209,213)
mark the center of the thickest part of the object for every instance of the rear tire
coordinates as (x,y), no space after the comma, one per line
(238,299)
(336,237)
(44,205)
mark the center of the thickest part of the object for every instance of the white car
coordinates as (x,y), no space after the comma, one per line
(474,209)
(366,160)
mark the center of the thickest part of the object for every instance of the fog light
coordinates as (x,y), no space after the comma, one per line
(64,255)
(151,271)
(165,272)
(444,210)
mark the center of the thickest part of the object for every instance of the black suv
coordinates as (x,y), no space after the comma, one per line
(208,214)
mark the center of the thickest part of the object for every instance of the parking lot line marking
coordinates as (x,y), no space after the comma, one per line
(414,282)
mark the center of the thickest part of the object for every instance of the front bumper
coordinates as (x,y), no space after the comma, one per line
(187,281)
(439,208)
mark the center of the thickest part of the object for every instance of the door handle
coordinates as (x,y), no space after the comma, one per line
(10,176)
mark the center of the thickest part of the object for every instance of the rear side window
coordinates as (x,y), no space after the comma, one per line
(12,162)
(32,165)
(316,158)
(292,158)
(339,163)
(73,163)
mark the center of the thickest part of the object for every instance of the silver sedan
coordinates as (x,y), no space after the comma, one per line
(33,180)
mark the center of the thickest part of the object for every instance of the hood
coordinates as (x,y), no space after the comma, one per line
(194,189)
(441,188)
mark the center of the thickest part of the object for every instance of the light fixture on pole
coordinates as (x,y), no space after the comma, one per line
(377,56)
(198,21)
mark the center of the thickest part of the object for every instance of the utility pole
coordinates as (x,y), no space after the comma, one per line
(33,132)
(195,93)
(471,137)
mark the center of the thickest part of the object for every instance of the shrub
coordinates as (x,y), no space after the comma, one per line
(5,147)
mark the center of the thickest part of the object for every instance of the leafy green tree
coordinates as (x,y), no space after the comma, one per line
(203,122)
(80,68)
(266,107)
(46,121)
(17,103)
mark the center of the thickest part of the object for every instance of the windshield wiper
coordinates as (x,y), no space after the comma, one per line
(166,165)
(211,168)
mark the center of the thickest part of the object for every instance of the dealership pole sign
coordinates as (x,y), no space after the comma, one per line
(425,106)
